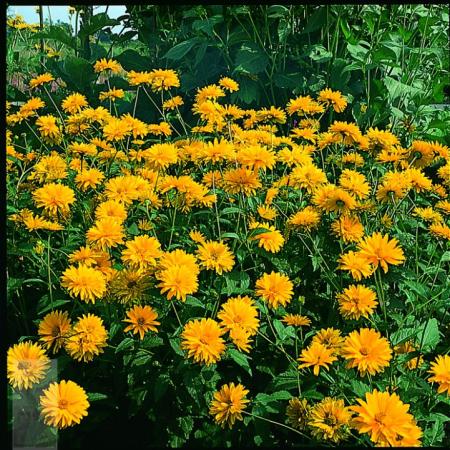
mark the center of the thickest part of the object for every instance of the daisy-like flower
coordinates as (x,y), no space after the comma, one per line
(332,198)
(355,183)
(357,301)
(307,176)
(88,178)
(26,364)
(241,338)
(241,180)
(228,404)
(367,350)
(181,258)
(440,230)
(275,288)
(329,337)
(202,339)
(346,133)
(112,210)
(308,218)
(384,417)
(64,404)
(87,338)
(440,370)
(271,240)
(271,114)
(49,129)
(161,156)
(105,233)
(239,312)
(84,282)
(74,103)
(303,106)
(215,256)
(173,103)
(329,420)
(142,252)
(379,250)
(41,79)
(229,84)
(296,320)
(161,79)
(141,320)
(54,197)
(128,285)
(297,413)
(317,356)
(104,64)
(333,98)
(356,264)
(111,94)
(53,329)
(177,281)
(348,228)
(267,212)
(256,157)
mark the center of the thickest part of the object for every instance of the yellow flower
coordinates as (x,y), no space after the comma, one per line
(267,212)
(333,98)
(296,320)
(27,365)
(54,197)
(177,281)
(49,129)
(84,282)
(105,233)
(202,339)
(49,168)
(53,329)
(384,417)
(271,240)
(112,210)
(161,156)
(367,350)
(276,289)
(111,94)
(355,183)
(440,230)
(128,285)
(239,312)
(316,355)
(215,256)
(408,347)
(440,369)
(41,79)
(229,84)
(74,103)
(142,252)
(141,319)
(173,103)
(329,420)
(356,264)
(348,228)
(228,404)
(241,180)
(379,250)
(308,218)
(330,338)
(63,404)
(346,133)
(88,178)
(271,114)
(357,301)
(332,198)
(87,338)
(304,106)
(297,413)
(161,79)
(256,157)
(104,64)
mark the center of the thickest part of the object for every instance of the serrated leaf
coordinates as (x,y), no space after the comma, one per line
(125,344)
(240,359)
(251,58)
(178,51)
(95,396)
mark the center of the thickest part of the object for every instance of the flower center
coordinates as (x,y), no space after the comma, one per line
(55,331)
(23,365)
(141,321)
(63,403)
(364,351)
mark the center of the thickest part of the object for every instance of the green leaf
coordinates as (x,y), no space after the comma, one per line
(397,89)
(79,72)
(277,11)
(240,359)
(55,304)
(359,388)
(276,396)
(178,51)
(56,33)
(125,344)
(96,23)
(95,396)
(175,344)
(429,335)
(251,58)
(132,60)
